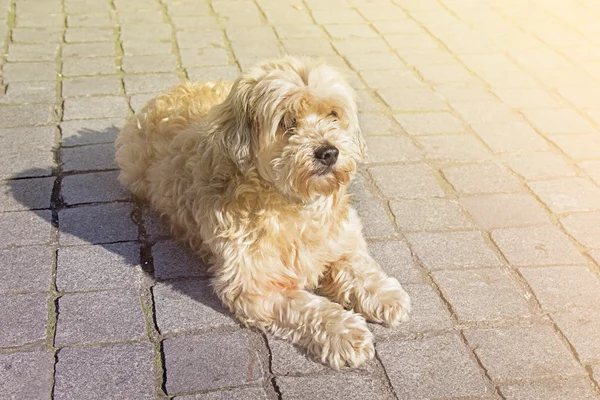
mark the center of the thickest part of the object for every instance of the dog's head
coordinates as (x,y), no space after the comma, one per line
(295,121)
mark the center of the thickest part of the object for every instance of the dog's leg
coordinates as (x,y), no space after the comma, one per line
(338,337)
(357,282)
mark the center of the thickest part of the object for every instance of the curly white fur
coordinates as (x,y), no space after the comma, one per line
(233,168)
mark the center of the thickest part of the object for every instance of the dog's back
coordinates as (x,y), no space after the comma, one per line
(148,133)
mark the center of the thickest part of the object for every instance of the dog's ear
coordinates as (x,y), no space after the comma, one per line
(236,120)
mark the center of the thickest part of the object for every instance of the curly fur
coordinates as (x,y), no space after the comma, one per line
(233,168)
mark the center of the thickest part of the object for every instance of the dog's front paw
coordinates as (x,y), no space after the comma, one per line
(388,304)
(347,342)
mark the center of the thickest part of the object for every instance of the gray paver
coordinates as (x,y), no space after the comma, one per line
(337,387)
(117,371)
(431,368)
(24,319)
(92,131)
(453,148)
(289,359)
(188,305)
(26,269)
(522,353)
(107,266)
(574,388)
(94,187)
(430,214)
(536,246)
(89,158)
(102,223)
(25,228)
(257,393)
(568,194)
(580,328)
(375,221)
(110,316)
(24,194)
(482,178)
(482,295)
(559,288)
(26,375)
(441,250)
(91,85)
(173,260)
(210,361)
(407,181)
(429,123)
(149,83)
(584,227)
(96,107)
(385,149)
(504,210)
(395,259)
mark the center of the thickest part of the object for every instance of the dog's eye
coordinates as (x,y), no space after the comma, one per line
(288,125)
(333,114)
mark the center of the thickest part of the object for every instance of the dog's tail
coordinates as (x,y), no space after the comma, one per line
(145,138)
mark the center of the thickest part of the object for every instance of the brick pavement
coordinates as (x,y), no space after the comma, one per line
(481,195)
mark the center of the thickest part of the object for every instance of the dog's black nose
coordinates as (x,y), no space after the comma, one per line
(327,155)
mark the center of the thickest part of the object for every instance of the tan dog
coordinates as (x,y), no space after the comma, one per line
(255,174)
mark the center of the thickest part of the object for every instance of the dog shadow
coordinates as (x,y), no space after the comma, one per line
(90,208)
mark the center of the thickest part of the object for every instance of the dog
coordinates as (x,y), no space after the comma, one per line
(254,175)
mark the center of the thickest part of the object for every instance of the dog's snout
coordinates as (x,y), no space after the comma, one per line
(327,154)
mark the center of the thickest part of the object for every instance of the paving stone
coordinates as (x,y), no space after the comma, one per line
(560,288)
(111,316)
(385,149)
(453,147)
(429,123)
(396,260)
(482,178)
(90,19)
(118,371)
(449,250)
(32,52)
(390,79)
(574,388)
(86,86)
(36,35)
(89,158)
(445,73)
(350,386)
(101,223)
(146,48)
(429,214)
(155,228)
(24,319)
(428,314)
(25,194)
(172,260)
(366,101)
(213,73)
(360,46)
(257,393)
(522,353)
(193,39)
(541,245)
(567,194)
(341,16)
(376,61)
(584,227)
(539,165)
(346,31)
(407,181)
(79,132)
(27,164)
(412,99)
(82,35)
(377,124)
(579,147)
(210,361)
(580,328)
(374,219)
(30,92)
(558,121)
(592,168)
(484,112)
(96,107)
(509,137)
(78,267)
(188,305)
(149,83)
(288,359)
(504,210)
(25,228)
(26,375)
(150,63)
(89,66)
(26,115)
(482,294)
(26,269)
(431,368)
(94,187)
(101,49)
